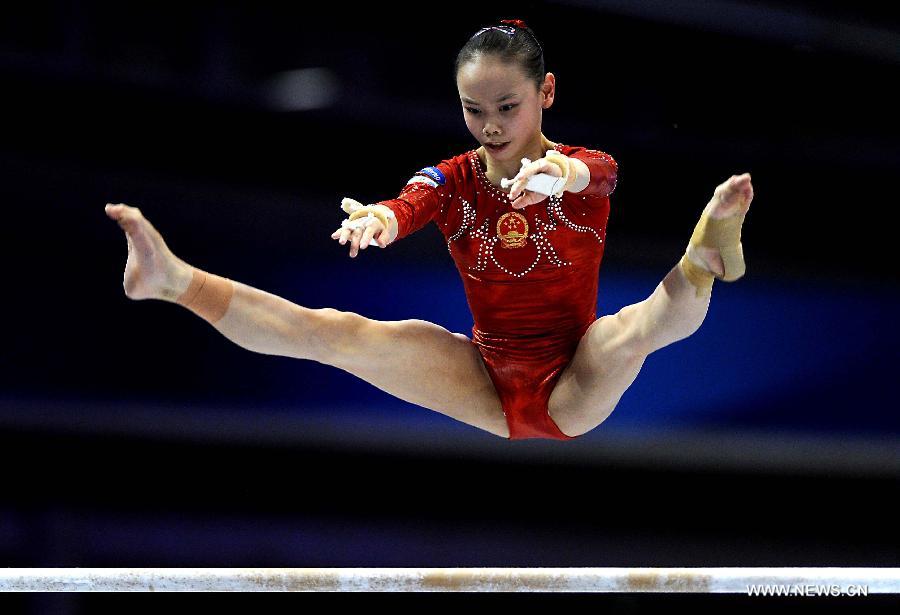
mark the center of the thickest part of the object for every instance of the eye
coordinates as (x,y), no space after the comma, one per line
(508,107)
(472,110)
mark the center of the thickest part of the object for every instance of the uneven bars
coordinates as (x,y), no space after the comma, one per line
(856,581)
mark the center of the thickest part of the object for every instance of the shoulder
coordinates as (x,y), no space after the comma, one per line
(455,168)
(584,152)
(459,170)
(447,176)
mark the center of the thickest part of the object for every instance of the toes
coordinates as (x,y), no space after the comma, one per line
(741,183)
(127,220)
(735,183)
(121,211)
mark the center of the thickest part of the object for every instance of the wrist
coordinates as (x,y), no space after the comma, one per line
(385,215)
(393,226)
(582,176)
(574,174)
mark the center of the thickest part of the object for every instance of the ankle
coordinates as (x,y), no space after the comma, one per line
(207,295)
(699,277)
(178,279)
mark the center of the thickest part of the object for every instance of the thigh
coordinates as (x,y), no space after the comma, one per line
(606,362)
(416,361)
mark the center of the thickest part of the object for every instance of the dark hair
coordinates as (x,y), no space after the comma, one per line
(511,41)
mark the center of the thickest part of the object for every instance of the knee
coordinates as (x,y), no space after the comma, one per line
(569,426)
(625,336)
(575,426)
(570,432)
(348,337)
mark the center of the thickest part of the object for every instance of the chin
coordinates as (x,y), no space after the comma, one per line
(506,153)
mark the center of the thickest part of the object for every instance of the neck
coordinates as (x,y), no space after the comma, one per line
(496,170)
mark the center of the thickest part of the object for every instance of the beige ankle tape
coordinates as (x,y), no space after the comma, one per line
(208,295)
(698,276)
(724,234)
(715,233)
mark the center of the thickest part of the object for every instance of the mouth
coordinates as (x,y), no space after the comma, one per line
(496,147)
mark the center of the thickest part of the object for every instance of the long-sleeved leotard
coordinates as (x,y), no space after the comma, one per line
(530,275)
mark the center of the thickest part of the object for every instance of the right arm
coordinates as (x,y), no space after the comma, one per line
(417,205)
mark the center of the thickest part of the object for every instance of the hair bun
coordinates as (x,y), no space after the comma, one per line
(514,22)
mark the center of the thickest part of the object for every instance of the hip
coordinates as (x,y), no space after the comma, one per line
(552,344)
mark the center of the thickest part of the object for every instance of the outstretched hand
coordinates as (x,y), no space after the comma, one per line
(363,230)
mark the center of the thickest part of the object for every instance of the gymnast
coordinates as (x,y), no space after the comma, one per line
(539,364)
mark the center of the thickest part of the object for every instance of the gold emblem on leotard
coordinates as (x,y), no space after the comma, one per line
(512,228)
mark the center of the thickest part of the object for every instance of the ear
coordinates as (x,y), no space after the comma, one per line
(548,90)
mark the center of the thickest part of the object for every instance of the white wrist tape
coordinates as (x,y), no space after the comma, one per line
(542,183)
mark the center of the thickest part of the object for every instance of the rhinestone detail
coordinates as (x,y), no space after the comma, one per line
(540,237)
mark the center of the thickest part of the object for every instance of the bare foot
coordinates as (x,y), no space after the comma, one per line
(152,271)
(731,198)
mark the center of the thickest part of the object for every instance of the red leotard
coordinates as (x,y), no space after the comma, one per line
(530,275)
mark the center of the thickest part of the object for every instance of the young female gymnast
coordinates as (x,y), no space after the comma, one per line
(540,364)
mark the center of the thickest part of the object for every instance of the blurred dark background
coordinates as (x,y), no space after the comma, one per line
(134,435)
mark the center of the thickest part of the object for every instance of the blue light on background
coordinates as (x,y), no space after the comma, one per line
(771,355)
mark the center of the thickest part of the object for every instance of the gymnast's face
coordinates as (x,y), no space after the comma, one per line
(502,105)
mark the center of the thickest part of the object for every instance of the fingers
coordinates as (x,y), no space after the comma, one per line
(527,198)
(517,188)
(360,236)
(519,183)
(342,234)
(360,239)
(533,168)
(367,236)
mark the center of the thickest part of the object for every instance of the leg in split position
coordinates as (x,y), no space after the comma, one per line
(612,351)
(414,360)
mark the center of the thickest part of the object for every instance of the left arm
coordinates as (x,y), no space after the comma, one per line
(585,172)
(602,171)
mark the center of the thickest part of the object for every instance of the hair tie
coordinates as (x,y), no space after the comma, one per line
(515,22)
(508,27)
(518,23)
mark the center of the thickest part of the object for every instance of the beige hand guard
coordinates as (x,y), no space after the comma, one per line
(360,216)
(544,183)
(568,168)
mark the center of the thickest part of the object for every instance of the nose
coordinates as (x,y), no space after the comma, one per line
(490,130)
